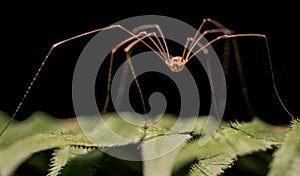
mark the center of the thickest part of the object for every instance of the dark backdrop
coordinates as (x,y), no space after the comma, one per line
(29,30)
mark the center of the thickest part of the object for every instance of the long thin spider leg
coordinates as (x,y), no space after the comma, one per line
(226,55)
(110,68)
(127,40)
(140,38)
(217,24)
(46,58)
(161,48)
(191,40)
(198,31)
(146,36)
(220,26)
(241,76)
(188,40)
(42,65)
(211,82)
(127,50)
(225,68)
(148,26)
(222,29)
(139,88)
(165,47)
(269,58)
(223,37)
(237,59)
(200,37)
(155,44)
(226,52)
(205,50)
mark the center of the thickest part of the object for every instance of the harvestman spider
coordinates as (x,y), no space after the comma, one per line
(160,48)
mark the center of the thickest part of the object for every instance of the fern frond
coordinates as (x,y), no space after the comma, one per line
(42,132)
(159,154)
(168,146)
(59,159)
(163,142)
(213,165)
(85,164)
(22,149)
(37,123)
(225,146)
(286,159)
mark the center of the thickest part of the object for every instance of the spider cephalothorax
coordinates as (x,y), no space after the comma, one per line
(176,64)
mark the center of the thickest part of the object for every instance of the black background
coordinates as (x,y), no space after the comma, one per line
(29,30)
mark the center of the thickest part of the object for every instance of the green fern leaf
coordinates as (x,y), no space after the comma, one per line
(160,153)
(76,151)
(83,163)
(24,138)
(62,156)
(162,143)
(59,160)
(286,159)
(225,146)
(38,122)
(18,152)
(213,165)
(42,132)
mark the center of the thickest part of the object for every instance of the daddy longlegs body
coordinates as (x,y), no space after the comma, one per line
(159,46)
